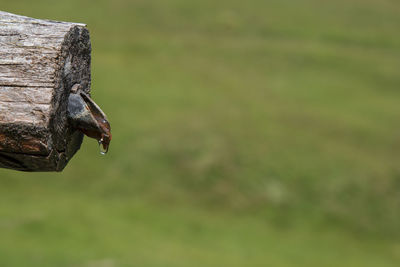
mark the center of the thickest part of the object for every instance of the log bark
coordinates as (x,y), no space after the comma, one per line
(40,61)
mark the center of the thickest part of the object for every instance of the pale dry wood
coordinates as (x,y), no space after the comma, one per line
(40,60)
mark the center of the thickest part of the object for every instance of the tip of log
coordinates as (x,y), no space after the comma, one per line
(40,61)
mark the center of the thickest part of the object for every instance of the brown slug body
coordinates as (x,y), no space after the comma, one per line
(86,116)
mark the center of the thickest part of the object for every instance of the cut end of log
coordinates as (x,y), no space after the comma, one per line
(40,61)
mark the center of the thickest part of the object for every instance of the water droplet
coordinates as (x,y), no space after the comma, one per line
(103,150)
(103,147)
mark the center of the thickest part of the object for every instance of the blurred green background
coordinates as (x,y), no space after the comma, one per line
(245,133)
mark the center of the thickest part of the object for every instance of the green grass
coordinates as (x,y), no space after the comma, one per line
(245,133)
(77,230)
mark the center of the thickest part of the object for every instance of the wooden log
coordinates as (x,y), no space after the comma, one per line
(40,61)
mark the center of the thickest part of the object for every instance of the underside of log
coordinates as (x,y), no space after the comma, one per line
(40,61)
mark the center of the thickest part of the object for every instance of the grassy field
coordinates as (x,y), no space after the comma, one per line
(245,133)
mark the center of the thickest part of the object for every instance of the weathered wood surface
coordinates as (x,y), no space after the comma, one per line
(40,60)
